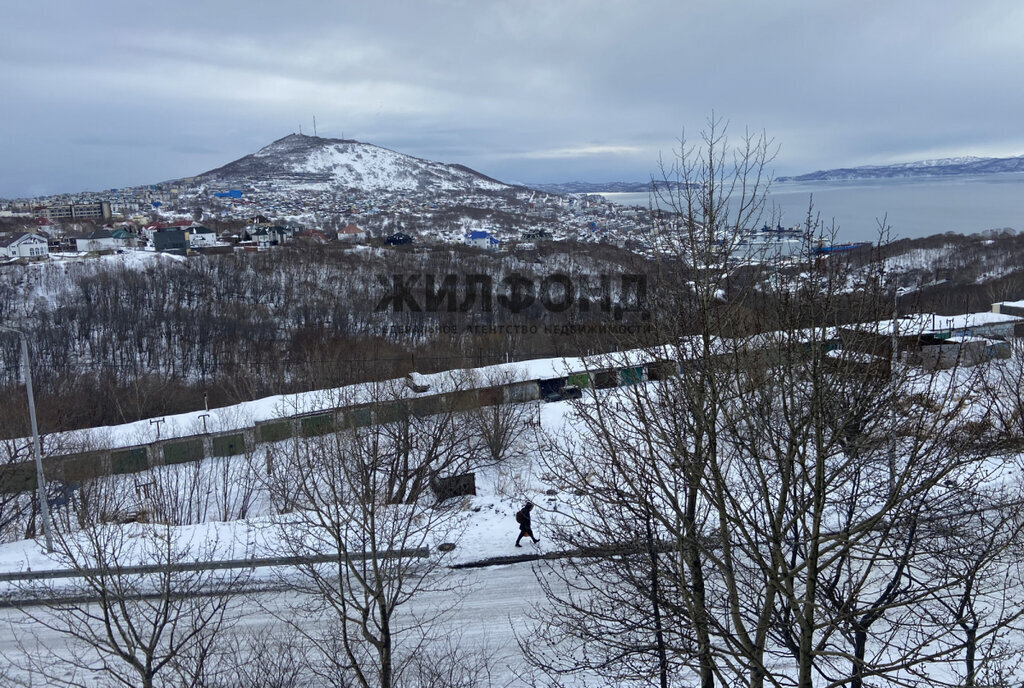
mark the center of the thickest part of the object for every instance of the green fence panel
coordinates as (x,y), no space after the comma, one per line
(128,461)
(317,425)
(631,376)
(426,406)
(391,412)
(229,445)
(275,431)
(17,478)
(183,451)
(581,380)
(606,379)
(358,417)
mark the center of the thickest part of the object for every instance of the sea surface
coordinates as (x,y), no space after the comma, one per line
(910,207)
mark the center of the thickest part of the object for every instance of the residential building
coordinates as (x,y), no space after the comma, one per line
(279,235)
(125,238)
(78,211)
(398,239)
(100,240)
(199,236)
(351,232)
(170,241)
(481,239)
(262,238)
(24,245)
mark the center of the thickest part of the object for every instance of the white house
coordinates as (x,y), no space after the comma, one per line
(24,245)
(279,235)
(262,238)
(481,239)
(199,236)
(351,233)
(125,238)
(100,240)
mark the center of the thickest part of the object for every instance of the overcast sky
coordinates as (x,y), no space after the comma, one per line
(114,93)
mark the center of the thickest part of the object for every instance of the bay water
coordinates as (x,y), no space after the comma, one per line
(911,208)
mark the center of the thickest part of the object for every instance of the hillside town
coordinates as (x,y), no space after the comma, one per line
(194,216)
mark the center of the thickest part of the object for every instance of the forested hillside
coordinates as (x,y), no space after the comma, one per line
(116,340)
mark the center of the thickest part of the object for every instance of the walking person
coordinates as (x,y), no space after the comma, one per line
(525,529)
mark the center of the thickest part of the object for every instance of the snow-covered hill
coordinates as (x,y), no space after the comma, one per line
(942,167)
(311,162)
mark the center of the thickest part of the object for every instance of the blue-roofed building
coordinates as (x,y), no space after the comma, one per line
(481,239)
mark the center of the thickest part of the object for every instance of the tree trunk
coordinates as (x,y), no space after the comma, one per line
(860,638)
(384,650)
(696,572)
(659,633)
(972,648)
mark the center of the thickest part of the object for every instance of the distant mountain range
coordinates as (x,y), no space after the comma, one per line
(311,162)
(315,163)
(944,167)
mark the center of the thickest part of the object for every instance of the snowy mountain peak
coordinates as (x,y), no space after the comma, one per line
(312,162)
(296,144)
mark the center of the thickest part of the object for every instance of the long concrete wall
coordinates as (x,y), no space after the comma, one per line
(71,469)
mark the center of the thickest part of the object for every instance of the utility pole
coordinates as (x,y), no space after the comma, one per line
(204,416)
(44,506)
(157,423)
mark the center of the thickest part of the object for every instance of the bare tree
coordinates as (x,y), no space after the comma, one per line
(347,501)
(765,505)
(158,627)
(417,444)
(262,659)
(501,425)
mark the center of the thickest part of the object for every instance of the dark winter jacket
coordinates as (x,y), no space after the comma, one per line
(523,516)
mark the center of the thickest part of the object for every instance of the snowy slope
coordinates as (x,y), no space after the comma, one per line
(311,162)
(942,167)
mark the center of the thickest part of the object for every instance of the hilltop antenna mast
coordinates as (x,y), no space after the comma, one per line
(314,125)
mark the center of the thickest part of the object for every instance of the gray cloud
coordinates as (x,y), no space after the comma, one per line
(114,93)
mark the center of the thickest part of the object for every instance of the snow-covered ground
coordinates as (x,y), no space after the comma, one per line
(494,606)
(485,607)
(489,527)
(498,604)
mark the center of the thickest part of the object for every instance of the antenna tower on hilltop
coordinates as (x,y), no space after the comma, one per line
(314,125)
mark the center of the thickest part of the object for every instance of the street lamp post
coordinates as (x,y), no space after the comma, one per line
(44,507)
